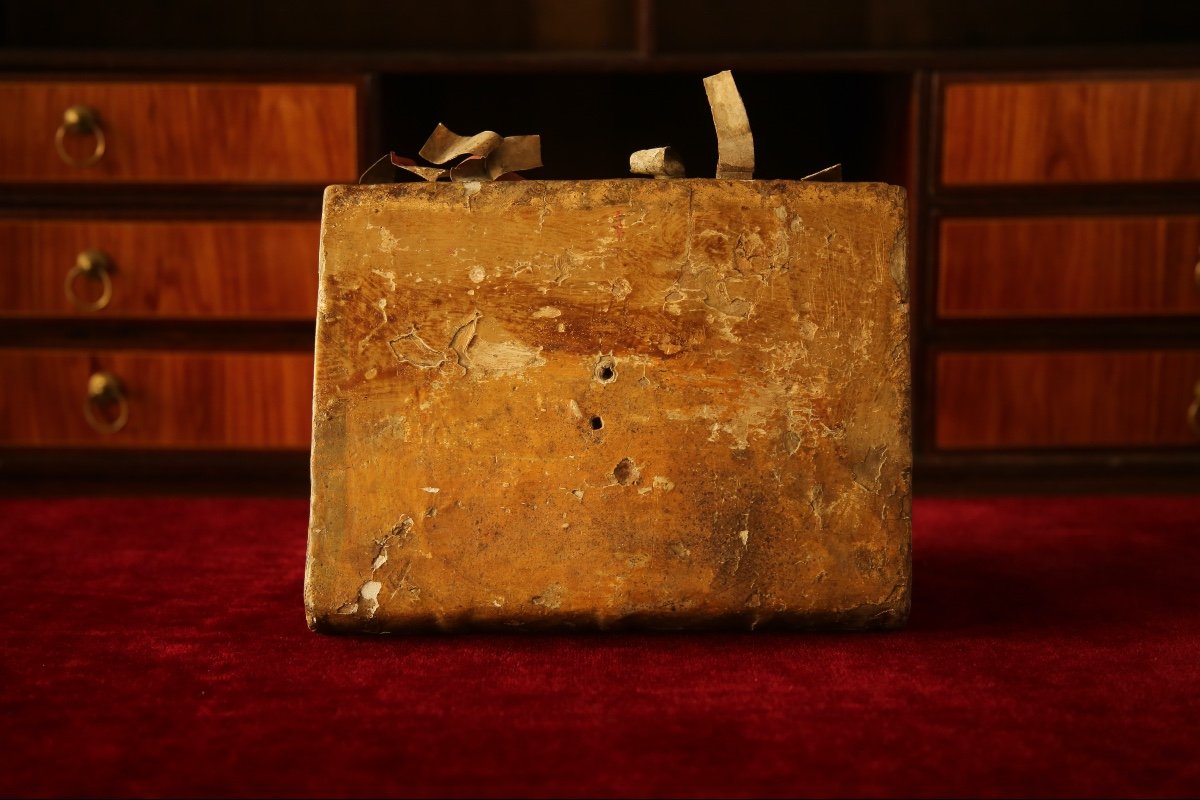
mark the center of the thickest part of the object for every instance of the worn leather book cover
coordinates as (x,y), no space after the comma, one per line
(602,404)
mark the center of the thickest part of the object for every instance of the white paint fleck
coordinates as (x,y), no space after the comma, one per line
(387,241)
(745,537)
(477,274)
(430,489)
(666,484)
(551,596)
(494,359)
(562,328)
(370,595)
(646,490)
(546,312)
(390,277)
(575,412)
(380,559)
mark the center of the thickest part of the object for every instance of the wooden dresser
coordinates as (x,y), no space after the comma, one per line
(156,306)
(1060,274)
(161,281)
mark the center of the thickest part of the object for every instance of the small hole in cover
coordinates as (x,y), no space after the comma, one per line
(606,370)
(626,472)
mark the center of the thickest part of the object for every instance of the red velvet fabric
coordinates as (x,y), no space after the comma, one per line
(158,646)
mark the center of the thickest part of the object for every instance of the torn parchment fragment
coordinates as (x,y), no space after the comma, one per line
(735,143)
(515,153)
(445,145)
(661,162)
(485,156)
(428,173)
(471,168)
(488,154)
(831,174)
(382,171)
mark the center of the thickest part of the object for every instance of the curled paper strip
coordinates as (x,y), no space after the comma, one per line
(471,168)
(382,171)
(829,174)
(735,143)
(445,145)
(513,154)
(428,173)
(488,157)
(661,162)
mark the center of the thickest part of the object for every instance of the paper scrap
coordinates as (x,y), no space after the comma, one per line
(445,145)
(661,162)
(430,174)
(832,174)
(735,143)
(514,153)
(382,171)
(471,168)
(486,156)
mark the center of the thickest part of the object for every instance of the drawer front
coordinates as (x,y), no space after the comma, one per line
(200,400)
(1076,131)
(1067,399)
(1069,266)
(233,133)
(180,270)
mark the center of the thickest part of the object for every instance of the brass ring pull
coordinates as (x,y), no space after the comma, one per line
(80,121)
(1193,413)
(103,389)
(95,265)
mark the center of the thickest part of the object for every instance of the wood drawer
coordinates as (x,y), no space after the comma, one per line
(1070,131)
(180,270)
(1069,266)
(230,133)
(201,400)
(1066,399)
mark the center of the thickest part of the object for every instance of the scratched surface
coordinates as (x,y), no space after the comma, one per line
(654,403)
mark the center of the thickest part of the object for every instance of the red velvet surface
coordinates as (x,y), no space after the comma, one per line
(158,647)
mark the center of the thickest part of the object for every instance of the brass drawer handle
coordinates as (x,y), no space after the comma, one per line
(103,392)
(1193,413)
(80,121)
(94,265)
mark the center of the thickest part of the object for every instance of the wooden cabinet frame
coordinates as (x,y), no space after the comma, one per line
(1040,469)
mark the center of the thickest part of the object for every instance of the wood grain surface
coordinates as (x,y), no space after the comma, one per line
(1069,266)
(663,403)
(189,133)
(167,270)
(209,400)
(1071,131)
(1066,399)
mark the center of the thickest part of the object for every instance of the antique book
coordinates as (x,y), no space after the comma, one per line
(601,404)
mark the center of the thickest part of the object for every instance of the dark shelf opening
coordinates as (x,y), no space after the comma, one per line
(589,124)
